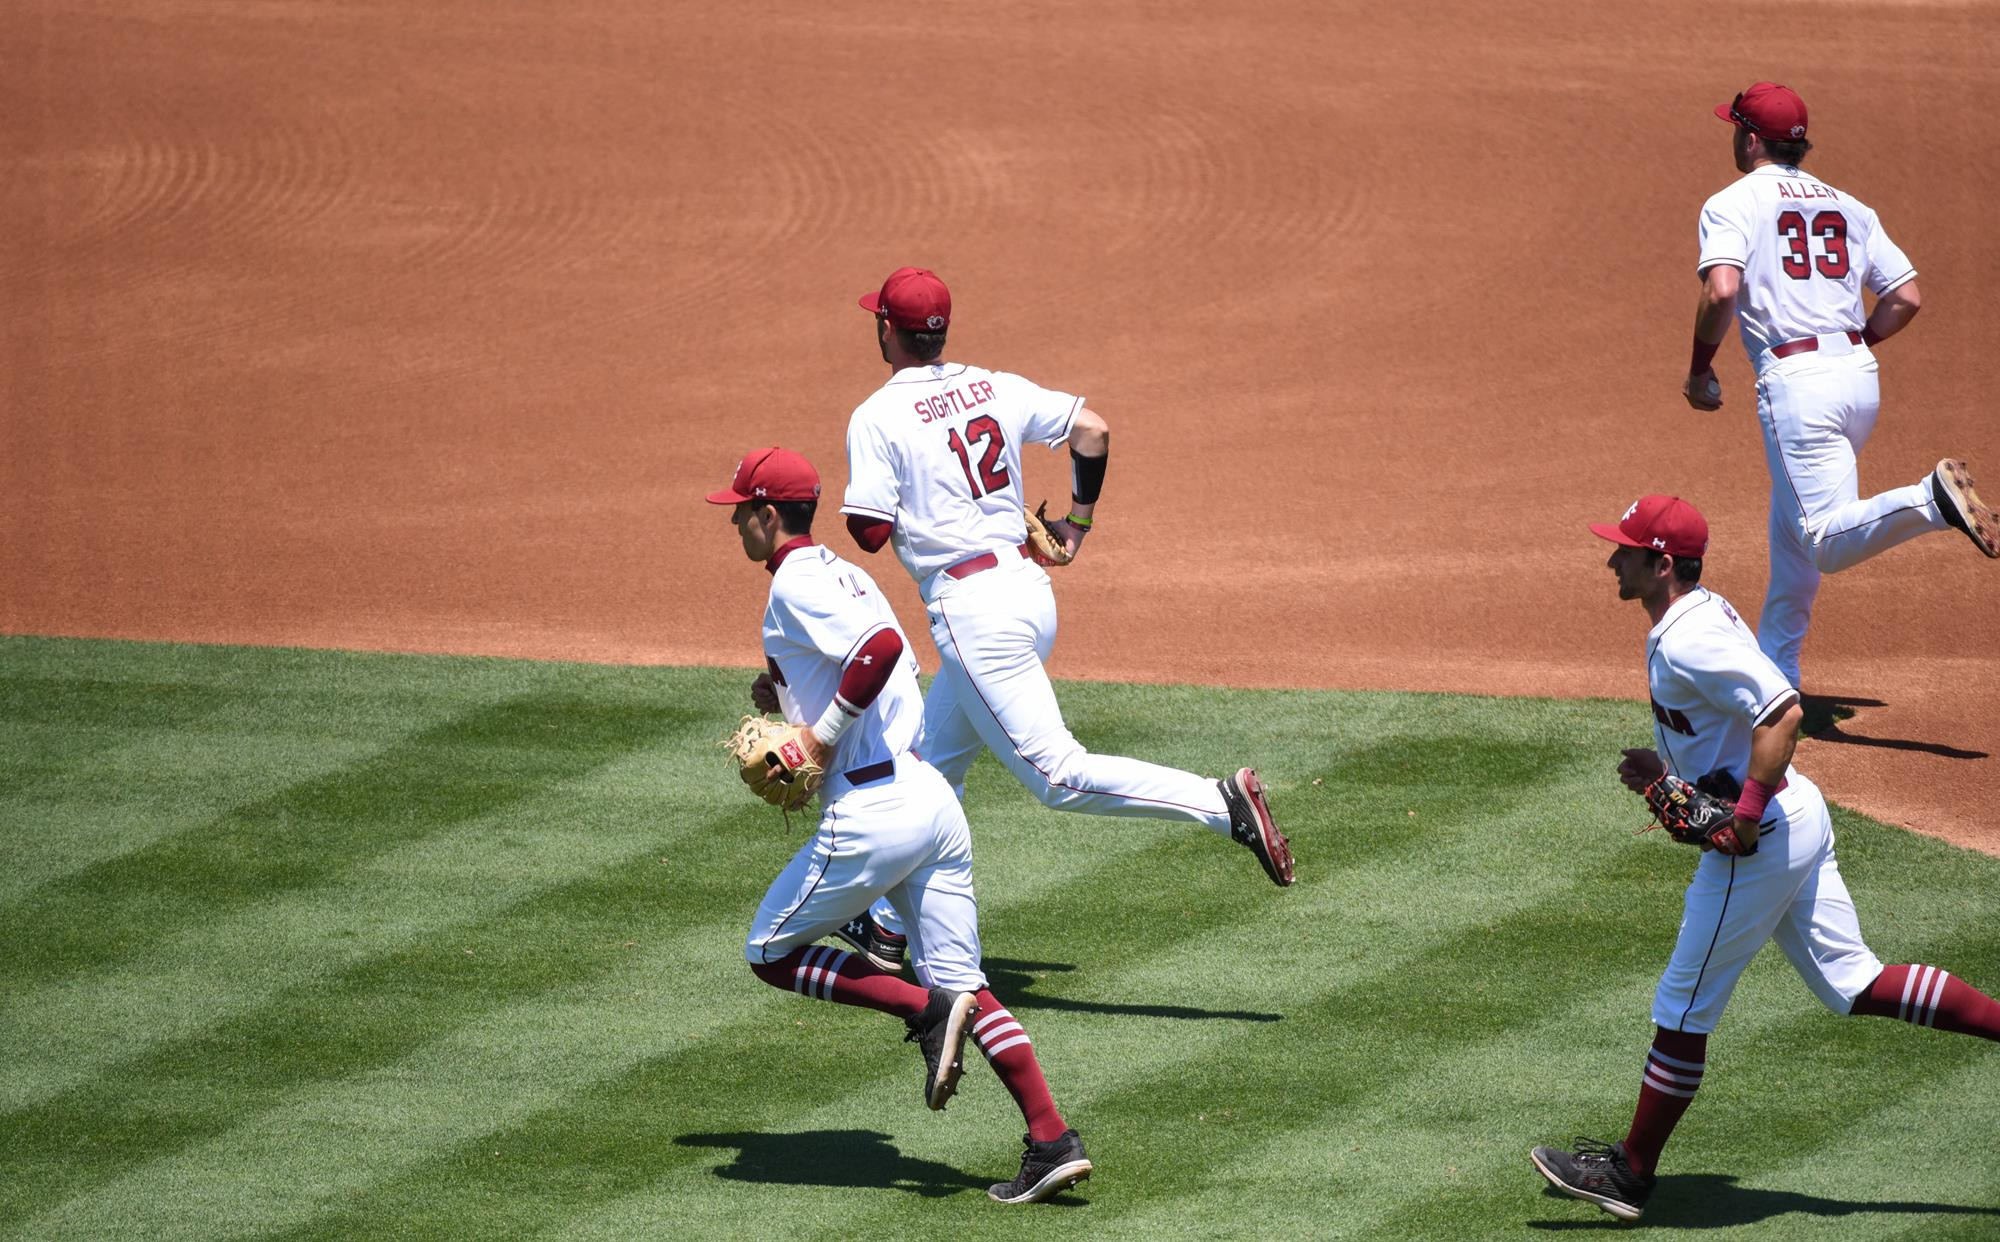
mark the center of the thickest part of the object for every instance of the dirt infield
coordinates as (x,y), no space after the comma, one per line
(423,327)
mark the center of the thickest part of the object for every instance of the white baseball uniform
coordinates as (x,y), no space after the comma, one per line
(1806,251)
(890,826)
(937,450)
(1711,685)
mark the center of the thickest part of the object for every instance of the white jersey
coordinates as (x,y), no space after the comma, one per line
(937,451)
(1806,250)
(1710,685)
(822,608)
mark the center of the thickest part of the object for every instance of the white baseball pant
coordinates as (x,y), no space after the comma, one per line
(1817,411)
(904,840)
(993,631)
(1789,891)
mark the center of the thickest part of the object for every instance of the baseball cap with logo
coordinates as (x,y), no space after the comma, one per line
(1768,111)
(770,474)
(912,299)
(1663,523)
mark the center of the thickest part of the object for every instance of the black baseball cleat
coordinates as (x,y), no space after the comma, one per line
(940,1030)
(1047,1170)
(1596,1173)
(1951,487)
(884,949)
(1251,824)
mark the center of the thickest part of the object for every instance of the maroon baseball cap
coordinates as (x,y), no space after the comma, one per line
(912,299)
(1663,523)
(1768,111)
(770,474)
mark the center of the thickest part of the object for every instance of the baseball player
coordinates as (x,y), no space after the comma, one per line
(1721,706)
(934,467)
(1788,255)
(890,826)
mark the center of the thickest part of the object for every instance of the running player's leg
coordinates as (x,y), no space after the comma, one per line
(991,646)
(1731,909)
(847,864)
(1819,932)
(1826,413)
(1788,601)
(949,742)
(938,904)
(1926,996)
(1821,936)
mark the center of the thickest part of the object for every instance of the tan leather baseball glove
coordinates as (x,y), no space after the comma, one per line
(776,761)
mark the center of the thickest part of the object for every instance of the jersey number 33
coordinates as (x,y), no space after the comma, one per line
(1829,228)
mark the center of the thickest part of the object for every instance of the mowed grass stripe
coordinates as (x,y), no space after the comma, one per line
(445,891)
(473,766)
(1144,956)
(1405,1159)
(130,797)
(193,977)
(375,1096)
(354,1021)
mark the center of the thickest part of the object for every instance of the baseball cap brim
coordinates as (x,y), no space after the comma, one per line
(1722,113)
(872,302)
(727,496)
(1609,530)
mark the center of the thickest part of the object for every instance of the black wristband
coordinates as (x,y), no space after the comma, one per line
(1086,477)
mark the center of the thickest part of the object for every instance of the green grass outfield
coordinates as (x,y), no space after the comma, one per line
(309,945)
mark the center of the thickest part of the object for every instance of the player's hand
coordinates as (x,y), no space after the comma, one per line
(1071,536)
(817,751)
(764,693)
(1746,838)
(818,754)
(1640,768)
(1704,391)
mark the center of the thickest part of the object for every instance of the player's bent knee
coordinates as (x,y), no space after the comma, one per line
(953,977)
(773,973)
(1058,782)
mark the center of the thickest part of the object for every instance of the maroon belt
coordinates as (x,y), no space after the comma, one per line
(977,564)
(1806,345)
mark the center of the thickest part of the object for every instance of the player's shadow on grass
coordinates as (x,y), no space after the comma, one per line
(1825,712)
(1014,983)
(1715,1201)
(862,1158)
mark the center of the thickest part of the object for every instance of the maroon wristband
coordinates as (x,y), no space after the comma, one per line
(1703,360)
(1756,794)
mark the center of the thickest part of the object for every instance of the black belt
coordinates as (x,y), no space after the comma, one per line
(871,772)
(1806,345)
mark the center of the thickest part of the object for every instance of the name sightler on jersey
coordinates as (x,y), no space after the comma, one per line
(953,401)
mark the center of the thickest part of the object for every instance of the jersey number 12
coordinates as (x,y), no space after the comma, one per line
(1831,228)
(991,472)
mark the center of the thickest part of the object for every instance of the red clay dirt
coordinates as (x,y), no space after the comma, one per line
(423,327)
